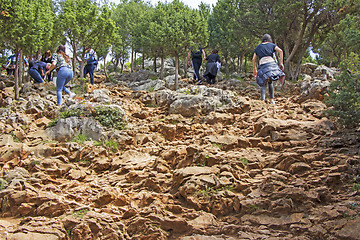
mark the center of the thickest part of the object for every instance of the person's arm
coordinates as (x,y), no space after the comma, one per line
(53,65)
(281,53)
(203,51)
(254,65)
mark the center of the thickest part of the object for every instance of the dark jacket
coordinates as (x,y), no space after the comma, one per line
(268,70)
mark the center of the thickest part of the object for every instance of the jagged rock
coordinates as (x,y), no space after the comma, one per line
(234,168)
(101,95)
(324,72)
(67,127)
(308,68)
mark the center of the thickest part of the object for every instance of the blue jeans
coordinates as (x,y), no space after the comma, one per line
(35,75)
(271,90)
(64,76)
(90,68)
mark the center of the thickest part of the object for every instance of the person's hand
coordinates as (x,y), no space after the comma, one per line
(255,73)
(282,67)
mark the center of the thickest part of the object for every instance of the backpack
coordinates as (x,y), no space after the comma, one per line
(196,54)
(92,60)
(32,63)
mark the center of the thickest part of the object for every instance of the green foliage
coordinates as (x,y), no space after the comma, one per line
(15,138)
(70,113)
(3,184)
(53,122)
(244,161)
(109,117)
(79,138)
(5,204)
(109,144)
(80,213)
(344,93)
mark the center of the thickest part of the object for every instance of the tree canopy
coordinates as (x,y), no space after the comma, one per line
(170,29)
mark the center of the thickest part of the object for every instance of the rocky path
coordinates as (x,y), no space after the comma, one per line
(203,163)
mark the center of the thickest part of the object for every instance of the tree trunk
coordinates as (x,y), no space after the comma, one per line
(143,61)
(74,58)
(245,64)
(105,72)
(21,68)
(155,64)
(162,68)
(132,60)
(226,65)
(16,74)
(176,71)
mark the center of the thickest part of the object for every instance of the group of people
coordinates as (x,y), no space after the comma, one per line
(212,66)
(59,61)
(268,69)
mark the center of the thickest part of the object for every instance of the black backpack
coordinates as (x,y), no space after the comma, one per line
(32,63)
(196,54)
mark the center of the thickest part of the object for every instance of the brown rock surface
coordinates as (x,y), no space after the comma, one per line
(246,170)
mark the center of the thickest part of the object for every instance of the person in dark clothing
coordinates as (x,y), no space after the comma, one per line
(212,66)
(196,60)
(10,65)
(37,71)
(91,62)
(47,58)
(268,70)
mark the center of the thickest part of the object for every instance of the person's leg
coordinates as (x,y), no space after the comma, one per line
(263,92)
(271,89)
(91,72)
(68,77)
(64,76)
(196,67)
(86,70)
(60,82)
(35,75)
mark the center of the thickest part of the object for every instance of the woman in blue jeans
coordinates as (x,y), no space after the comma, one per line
(62,62)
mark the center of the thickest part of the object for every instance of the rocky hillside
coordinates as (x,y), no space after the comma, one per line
(133,159)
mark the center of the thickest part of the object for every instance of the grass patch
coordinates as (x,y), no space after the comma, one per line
(109,144)
(244,161)
(79,138)
(81,213)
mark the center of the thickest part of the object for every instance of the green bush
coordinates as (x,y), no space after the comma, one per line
(109,117)
(344,93)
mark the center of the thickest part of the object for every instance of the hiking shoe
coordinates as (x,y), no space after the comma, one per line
(272,102)
(72,95)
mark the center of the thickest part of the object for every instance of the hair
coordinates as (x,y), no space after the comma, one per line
(214,51)
(266,38)
(48,52)
(61,50)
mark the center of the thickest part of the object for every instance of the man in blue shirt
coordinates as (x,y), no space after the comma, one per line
(37,71)
(91,62)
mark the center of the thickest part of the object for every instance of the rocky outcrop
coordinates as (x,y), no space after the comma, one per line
(197,163)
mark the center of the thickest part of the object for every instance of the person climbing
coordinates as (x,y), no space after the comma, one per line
(212,66)
(268,70)
(91,62)
(47,58)
(37,71)
(196,60)
(62,62)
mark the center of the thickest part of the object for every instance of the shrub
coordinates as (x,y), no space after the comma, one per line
(344,93)
(109,117)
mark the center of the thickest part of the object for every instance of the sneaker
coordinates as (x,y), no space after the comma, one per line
(72,95)
(272,102)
